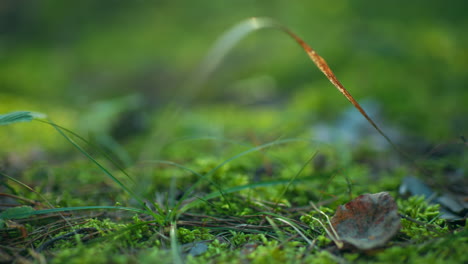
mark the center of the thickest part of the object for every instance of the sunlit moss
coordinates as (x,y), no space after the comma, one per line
(429,226)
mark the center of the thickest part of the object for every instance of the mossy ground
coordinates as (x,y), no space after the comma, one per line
(107,72)
(239,222)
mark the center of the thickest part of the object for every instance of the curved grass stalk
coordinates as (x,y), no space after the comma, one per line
(26,116)
(331,232)
(106,171)
(277,230)
(217,53)
(228,40)
(109,174)
(294,178)
(297,229)
(285,220)
(107,156)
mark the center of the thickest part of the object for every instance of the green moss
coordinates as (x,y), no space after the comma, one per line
(427,214)
(322,257)
(185,235)
(440,250)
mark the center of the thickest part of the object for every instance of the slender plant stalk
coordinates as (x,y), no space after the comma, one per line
(325,69)
(215,56)
(110,175)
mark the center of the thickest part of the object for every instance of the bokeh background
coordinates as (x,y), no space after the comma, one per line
(411,57)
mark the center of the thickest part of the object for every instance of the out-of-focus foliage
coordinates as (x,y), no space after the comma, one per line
(411,56)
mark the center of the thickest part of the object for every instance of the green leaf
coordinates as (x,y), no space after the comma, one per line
(19,116)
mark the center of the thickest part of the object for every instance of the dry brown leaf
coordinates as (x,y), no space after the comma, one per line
(368,221)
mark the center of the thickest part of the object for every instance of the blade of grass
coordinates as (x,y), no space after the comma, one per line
(287,221)
(278,231)
(297,229)
(107,156)
(331,232)
(25,214)
(258,23)
(19,116)
(108,173)
(294,178)
(26,116)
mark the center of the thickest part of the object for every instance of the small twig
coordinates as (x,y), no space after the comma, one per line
(20,198)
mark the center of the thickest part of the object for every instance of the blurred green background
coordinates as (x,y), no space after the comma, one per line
(60,57)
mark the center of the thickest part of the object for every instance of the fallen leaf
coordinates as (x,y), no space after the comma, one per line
(368,221)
